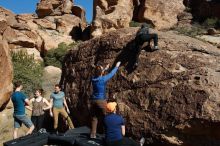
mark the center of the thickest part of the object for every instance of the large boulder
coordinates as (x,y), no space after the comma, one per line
(52,38)
(46,33)
(6,74)
(51,76)
(111,15)
(29,20)
(79,12)
(8,16)
(36,35)
(162,14)
(54,7)
(45,23)
(172,97)
(66,23)
(42,34)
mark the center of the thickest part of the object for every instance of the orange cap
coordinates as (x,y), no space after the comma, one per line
(111,106)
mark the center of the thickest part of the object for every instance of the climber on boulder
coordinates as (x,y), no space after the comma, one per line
(144,35)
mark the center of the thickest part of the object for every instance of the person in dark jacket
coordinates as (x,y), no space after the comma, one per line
(115,128)
(144,35)
(98,98)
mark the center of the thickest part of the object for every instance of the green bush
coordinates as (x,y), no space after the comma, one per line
(211,22)
(134,24)
(27,70)
(194,30)
(54,57)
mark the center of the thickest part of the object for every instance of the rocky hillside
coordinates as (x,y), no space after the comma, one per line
(172,97)
(112,15)
(54,23)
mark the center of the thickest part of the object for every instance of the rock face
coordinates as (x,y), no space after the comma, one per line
(162,14)
(215,40)
(31,31)
(51,76)
(36,35)
(6,74)
(111,15)
(80,12)
(184,19)
(54,7)
(171,97)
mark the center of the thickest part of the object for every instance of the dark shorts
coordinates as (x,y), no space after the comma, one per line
(19,119)
(98,108)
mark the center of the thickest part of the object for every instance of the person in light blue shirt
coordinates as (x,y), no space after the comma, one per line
(98,98)
(58,101)
(19,100)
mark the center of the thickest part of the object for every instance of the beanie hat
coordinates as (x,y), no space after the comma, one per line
(111,106)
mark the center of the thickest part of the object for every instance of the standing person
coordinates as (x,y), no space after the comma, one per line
(115,128)
(58,101)
(19,100)
(98,98)
(38,108)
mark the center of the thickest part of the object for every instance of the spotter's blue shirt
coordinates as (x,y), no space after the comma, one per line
(113,123)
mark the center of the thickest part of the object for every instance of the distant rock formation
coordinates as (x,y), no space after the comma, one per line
(184,19)
(54,7)
(111,15)
(172,97)
(161,13)
(51,76)
(36,35)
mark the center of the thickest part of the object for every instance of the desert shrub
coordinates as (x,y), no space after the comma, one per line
(194,30)
(27,70)
(134,24)
(211,22)
(54,57)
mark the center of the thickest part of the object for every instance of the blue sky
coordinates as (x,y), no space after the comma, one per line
(29,6)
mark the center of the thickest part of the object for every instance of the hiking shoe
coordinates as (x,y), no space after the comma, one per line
(135,64)
(42,130)
(142,141)
(92,136)
(155,48)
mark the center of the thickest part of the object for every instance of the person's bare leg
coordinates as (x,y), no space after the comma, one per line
(30,130)
(94,127)
(15,133)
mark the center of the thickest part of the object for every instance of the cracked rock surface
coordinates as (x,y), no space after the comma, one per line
(171,98)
